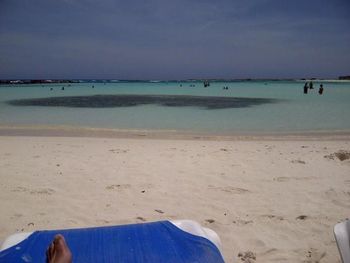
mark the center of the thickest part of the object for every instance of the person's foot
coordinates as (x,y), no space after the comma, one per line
(58,251)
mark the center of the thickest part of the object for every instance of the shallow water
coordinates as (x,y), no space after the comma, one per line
(291,110)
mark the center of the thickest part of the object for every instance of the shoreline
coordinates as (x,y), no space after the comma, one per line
(102,81)
(89,132)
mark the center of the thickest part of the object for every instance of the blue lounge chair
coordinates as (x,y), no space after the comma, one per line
(163,241)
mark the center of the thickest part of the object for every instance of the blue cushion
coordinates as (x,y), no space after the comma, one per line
(148,242)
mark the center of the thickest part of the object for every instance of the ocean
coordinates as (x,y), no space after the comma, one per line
(282,106)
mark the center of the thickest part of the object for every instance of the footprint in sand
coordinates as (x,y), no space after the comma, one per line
(103,221)
(141,218)
(301,217)
(298,161)
(313,255)
(273,217)
(247,256)
(118,186)
(229,189)
(241,222)
(44,191)
(20,189)
(224,150)
(118,151)
(341,155)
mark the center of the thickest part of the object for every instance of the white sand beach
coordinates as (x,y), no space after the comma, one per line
(276,197)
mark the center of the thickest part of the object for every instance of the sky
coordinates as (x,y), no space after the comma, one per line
(174,39)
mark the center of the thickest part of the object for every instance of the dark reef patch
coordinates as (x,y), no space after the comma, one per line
(109,101)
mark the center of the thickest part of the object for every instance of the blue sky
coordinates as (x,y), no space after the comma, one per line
(178,39)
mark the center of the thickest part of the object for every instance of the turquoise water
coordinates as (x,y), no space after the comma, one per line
(294,112)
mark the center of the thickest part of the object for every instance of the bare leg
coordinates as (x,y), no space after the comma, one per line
(58,251)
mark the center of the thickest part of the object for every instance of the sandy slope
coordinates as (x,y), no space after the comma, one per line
(276,198)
